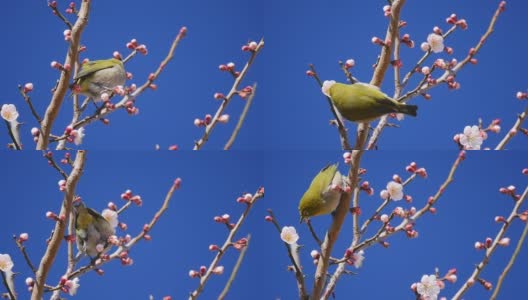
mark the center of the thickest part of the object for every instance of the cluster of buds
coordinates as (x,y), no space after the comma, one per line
(203,122)
(522,95)
(410,231)
(225,220)
(246,198)
(510,190)
(53,216)
(240,244)
(387,10)
(71,8)
(134,45)
(229,67)
(365,186)
(406,39)
(125,259)
(35,132)
(251,46)
(59,66)
(74,135)
(198,274)
(62,185)
(66,159)
(494,126)
(349,63)
(131,108)
(489,242)
(451,83)
(413,168)
(347,157)
(377,41)
(129,196)
(67,35)
(245,92)
(22,238)
(315,256)
(453,20)
(28,87)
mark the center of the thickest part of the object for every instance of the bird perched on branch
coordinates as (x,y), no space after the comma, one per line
(98,77)
(91,230)
(323,194)
(362,102)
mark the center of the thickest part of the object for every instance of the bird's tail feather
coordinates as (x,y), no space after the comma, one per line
(408,109)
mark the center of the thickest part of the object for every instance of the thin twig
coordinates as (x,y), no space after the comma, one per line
(489,251)
(235,270)
(295,260)
(515,128)
(343,135)
(234,91)
(312,231)
(13,133)
(8,282)
(241,119)
(520,242)
(27,99)
(22,249)
(228,243)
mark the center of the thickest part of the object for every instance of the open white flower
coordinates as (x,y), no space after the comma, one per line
(73,285)
(6,264)
(428,288)
(9,112)
(327,84)
(79,136)
(111,217)
(436,42)
(289,235)
(395,190)
(471,139)
(358,258)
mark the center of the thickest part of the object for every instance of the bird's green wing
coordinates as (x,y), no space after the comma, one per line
(94,66)
(324,178)
(100,223)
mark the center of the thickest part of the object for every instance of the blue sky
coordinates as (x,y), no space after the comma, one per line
(210,186)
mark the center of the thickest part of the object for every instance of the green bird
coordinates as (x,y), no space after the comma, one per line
(91,230)
(362,102)
(323,194)
(99,76)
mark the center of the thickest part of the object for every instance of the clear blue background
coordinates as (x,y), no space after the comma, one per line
(210,186)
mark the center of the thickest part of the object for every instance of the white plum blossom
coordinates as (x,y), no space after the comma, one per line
(471,139)
(428,288)
(358,258)
(79,135)
(9,112)
(111,217)
(395,190)
(73,285)
(436,42)
(289,235)
(6,264)
(327,84)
